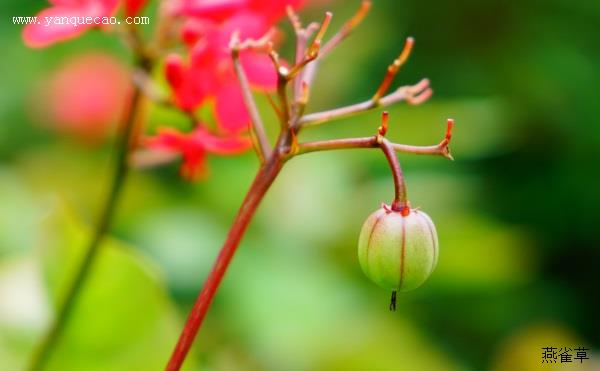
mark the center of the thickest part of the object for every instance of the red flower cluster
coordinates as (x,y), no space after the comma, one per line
(205,74)
(208,74)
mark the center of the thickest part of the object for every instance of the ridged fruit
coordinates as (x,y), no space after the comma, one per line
(398,250)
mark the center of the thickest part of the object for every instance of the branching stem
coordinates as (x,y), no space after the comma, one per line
(258,189)
(414,94)
(291,121)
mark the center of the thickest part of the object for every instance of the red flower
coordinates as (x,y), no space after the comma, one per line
(47,31)
(209,74)
(194,147)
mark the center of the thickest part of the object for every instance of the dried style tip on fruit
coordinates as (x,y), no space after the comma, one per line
(396,251)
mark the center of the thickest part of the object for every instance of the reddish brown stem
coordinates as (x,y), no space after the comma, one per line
(442,149)
(400,203)
(347,28)
(414,94)
(393,70)
(258,189)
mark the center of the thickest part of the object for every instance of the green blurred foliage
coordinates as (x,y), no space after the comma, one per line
(516,212)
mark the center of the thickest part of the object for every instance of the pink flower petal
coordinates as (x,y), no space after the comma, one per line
(230,109)
(223,146)
(174,70)
(195,28)
(213,9)
(39,35)
(194,147)
(249,24)
(44,34)
(68,3)
(166,139)
(259,69)
(194,165)
(190,85)
(273,9)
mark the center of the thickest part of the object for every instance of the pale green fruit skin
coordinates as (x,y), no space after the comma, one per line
(398,252)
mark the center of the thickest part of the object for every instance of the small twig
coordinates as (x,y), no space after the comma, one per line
(259,45)
(415,94)
(294,19)
(312,52)
(347,28)
(142,80)
(301,40)
(393,69)
(274,105)
(257,124)
(308,74)
(282,81)
(302,101)
(302,36)
(442,149)
(304,56)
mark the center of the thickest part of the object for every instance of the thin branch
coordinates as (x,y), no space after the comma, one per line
(282,73)
(257,124)
(301,40)
(302,36)
(414,94)
(142,81)
(285,75)
(393,69)
(347,28)
(312,52)
(442,149)
(103,224)
(302,101)
(274,105)
(308,74)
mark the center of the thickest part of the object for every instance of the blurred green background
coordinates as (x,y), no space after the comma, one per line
(516,213)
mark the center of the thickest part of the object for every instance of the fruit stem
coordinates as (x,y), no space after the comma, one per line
(400,203)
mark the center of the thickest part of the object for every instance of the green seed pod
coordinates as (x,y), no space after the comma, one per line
(398,250)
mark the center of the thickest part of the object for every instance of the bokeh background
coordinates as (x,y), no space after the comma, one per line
(516,213)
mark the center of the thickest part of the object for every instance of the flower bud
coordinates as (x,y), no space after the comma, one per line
(398,250)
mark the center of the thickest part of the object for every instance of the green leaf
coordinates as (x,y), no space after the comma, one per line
(123,319)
